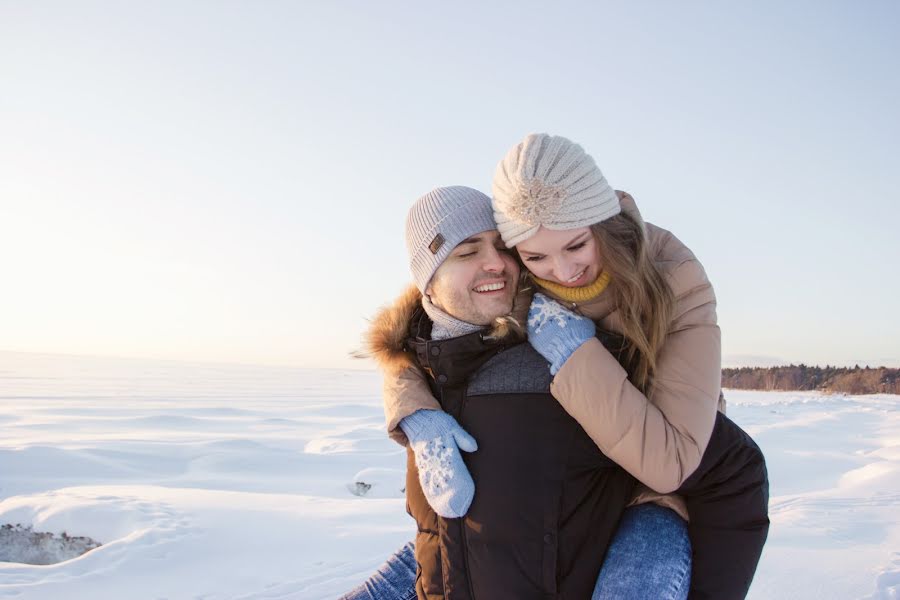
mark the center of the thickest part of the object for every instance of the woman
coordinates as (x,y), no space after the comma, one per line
(588,249)
(593,259)
(597,264)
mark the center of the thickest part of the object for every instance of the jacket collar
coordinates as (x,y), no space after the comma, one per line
(451,361)
(399,327)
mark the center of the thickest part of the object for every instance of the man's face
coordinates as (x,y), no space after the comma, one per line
(477,282)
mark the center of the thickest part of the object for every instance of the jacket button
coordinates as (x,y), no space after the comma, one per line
(548,538)
(442,378)
(435,350)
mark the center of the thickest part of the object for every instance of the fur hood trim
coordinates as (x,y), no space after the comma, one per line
(385,340)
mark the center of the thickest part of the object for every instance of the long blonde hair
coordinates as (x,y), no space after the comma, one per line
(641,294)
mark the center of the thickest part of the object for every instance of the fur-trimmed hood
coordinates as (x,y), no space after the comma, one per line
(385,340)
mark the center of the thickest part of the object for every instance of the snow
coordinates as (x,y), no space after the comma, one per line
(238,482)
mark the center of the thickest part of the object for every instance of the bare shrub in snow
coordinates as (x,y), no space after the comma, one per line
(23,545)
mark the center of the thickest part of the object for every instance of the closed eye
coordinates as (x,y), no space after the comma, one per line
(577,247)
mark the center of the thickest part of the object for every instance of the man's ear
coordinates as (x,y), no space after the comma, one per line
(429,293)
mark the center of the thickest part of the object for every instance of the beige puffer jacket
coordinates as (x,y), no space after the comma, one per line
(660,439)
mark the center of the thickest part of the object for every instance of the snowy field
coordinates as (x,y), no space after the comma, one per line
(215,482)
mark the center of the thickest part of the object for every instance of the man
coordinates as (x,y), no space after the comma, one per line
(530,513)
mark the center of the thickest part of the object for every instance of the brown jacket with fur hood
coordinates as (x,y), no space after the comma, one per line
(659,439)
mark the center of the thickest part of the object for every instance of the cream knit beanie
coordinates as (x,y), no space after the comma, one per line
(550,181)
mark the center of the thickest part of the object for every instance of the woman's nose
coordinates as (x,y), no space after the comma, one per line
(564,269)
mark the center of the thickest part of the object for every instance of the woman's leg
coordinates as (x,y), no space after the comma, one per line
(394,580)
(650,557)
(727,498)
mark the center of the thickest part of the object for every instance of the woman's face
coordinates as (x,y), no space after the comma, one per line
(570,257)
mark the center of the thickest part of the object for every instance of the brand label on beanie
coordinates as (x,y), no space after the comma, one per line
(436,243)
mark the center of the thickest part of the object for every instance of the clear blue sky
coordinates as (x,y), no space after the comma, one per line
(228,180)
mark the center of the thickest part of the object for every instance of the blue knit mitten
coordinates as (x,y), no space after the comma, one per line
(436,439)
(555,331)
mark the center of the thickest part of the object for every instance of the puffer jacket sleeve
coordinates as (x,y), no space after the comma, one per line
(404,393)
(661,439)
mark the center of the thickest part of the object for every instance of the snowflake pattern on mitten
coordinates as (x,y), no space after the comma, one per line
(555,331)
(437,442)
(543,310)
(433,462)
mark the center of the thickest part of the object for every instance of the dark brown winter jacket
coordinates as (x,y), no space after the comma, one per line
(547,500)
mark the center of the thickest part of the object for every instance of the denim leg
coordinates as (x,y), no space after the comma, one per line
(649,557)
(394,580)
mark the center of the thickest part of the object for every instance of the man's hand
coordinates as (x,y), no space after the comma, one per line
(436,439)
(555,331)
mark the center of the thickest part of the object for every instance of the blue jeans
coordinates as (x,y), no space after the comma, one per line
(649,557)
(394,580)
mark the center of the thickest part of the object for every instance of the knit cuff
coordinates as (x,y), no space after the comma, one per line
(564,346)
(416,424)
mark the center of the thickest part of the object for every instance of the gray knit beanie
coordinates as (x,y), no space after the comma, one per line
(550,181)
(438,222)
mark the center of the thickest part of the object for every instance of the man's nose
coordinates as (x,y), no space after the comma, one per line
(493,262)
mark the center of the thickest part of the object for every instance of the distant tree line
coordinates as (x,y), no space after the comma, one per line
(848,380)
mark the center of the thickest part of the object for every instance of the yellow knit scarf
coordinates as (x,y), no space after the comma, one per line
(576,294)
